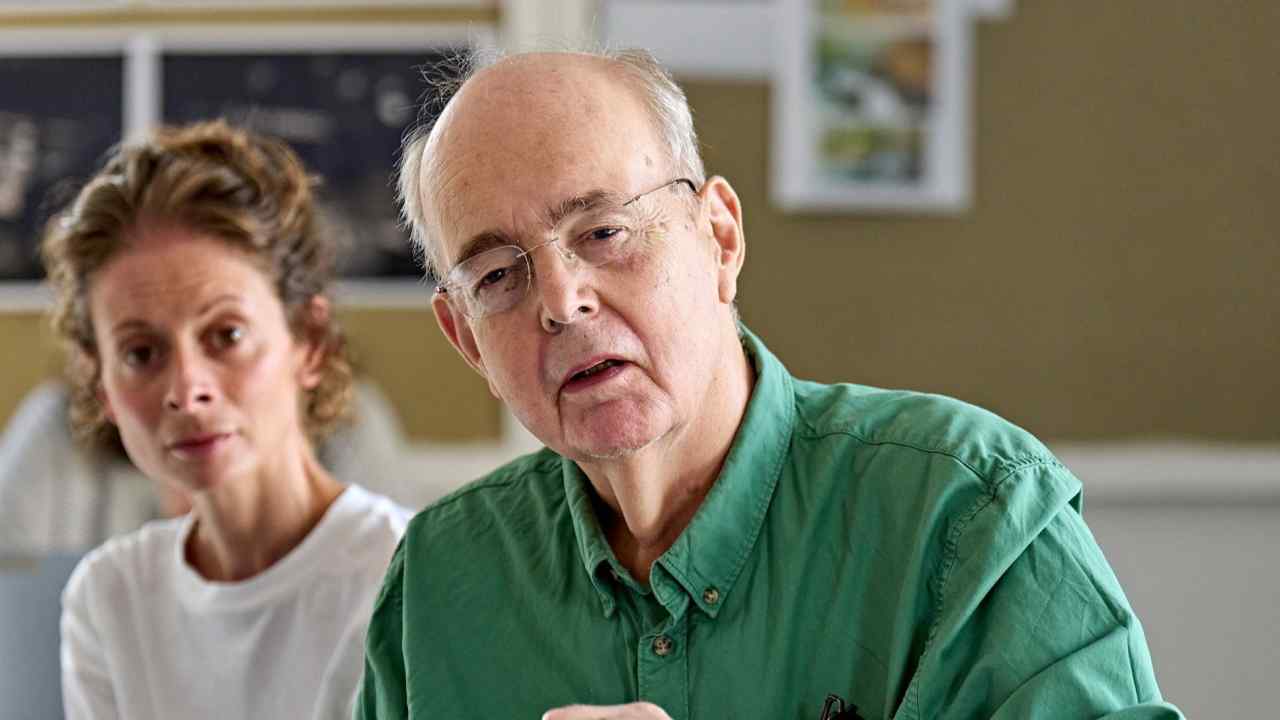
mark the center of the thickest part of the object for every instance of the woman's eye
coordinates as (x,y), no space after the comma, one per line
(138,356)
(227,336)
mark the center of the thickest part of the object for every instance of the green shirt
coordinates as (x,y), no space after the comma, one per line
(918,557)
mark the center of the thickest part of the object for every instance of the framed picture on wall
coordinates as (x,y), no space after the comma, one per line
(60,111)
(870,106)
(343,100)
(342,97)
(342,112)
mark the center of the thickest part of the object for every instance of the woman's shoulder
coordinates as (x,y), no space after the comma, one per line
(372,512)
(134,560)
(359,531)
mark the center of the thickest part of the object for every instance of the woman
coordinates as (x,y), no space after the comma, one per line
(190,276)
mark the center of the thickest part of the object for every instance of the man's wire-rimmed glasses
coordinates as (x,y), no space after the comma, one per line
(497,280)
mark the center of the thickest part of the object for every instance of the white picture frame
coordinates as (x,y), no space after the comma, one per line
(847,138)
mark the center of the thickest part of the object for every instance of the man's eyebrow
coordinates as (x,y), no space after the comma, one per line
(490,239)
(479,243)
(585,202)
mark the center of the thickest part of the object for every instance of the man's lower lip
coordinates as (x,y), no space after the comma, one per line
(590,381)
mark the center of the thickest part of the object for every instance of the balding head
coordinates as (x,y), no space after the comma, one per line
(568,238)
(505,109)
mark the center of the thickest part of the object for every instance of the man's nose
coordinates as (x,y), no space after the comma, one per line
(191,383)
(564,290)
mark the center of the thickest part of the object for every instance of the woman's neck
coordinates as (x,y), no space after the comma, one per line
(243,527)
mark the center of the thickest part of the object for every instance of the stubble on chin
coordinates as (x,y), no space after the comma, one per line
(616,433)
(621,452)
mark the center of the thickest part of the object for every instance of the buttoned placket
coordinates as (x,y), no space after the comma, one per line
(662,654)
(693,580)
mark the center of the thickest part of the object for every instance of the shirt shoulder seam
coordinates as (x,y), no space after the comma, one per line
(951,553)
(1002,469)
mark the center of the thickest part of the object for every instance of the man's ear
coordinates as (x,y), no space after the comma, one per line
(315,341)
(457,328)
(724,211)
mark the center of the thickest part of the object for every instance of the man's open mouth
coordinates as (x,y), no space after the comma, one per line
(601,372)
(595,369)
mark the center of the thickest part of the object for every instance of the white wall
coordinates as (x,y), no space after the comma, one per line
(1205,582)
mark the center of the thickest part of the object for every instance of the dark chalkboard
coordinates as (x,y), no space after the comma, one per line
(58,116)
(343,112)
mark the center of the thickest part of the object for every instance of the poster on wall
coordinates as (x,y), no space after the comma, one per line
(342,97)
(869,106)
(59,114)
(343,112)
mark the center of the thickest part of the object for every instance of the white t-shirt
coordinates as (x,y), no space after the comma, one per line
(145,636)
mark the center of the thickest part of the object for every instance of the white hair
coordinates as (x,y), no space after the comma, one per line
(664,99)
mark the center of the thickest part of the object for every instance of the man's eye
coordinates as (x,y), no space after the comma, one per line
(490,282)
(491,278)
(604,234)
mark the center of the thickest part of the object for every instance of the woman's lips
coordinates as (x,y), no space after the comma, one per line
(200,446)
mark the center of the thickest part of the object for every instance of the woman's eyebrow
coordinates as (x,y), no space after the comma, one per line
(129,325)
(220,300)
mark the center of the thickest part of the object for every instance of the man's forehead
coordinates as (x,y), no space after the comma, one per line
(502,167)
(536,105)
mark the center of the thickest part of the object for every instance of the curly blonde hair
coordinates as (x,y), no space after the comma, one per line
(215,180)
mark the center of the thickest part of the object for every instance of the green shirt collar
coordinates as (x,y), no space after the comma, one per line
(707,557)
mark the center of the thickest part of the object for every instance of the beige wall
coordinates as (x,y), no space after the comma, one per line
(1116,276)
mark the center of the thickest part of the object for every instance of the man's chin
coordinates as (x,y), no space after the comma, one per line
(614,430)
(605,453)
(610,442)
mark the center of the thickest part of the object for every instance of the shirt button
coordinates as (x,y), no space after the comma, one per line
(662,646)
(711,596)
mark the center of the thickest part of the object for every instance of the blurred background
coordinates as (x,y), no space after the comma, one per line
(1101,270)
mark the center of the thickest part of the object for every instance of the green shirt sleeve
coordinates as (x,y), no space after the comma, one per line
(382,691)
(1031,620)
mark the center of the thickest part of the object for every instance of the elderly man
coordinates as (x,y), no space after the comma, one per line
(704,535)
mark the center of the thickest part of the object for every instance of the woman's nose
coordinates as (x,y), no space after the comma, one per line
(190,383)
